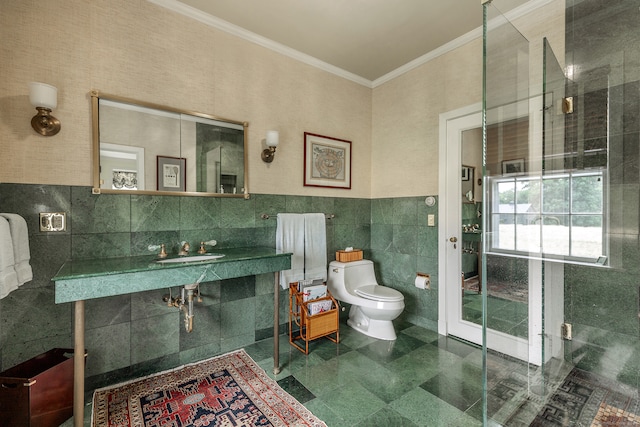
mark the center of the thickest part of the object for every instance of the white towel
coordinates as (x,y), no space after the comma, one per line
(8,275)
(290,238)
(315,246)
(21,254)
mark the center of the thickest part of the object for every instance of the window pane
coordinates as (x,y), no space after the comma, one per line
(528,195)
(586,236)
(555,234)
(559,215)
(587,194)
(527,233)
(504,231)
(507,196)
(555,198)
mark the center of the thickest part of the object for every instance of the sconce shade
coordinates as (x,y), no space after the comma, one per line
(43,95)
(272,138)
(45,98)
(272,142)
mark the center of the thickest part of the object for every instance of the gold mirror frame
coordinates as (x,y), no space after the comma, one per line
(96,96)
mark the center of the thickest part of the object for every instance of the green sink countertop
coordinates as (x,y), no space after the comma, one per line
(95,278)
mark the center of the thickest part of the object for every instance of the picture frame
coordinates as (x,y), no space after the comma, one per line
(465,173)
(327,161)
(122,179)
(171,173)
(513,167)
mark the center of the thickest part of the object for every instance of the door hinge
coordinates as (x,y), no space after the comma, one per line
(566,331)
(567,105)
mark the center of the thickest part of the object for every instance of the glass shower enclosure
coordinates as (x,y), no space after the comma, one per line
(561,204)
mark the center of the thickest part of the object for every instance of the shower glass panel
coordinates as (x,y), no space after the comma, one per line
(505,316)
(602,303)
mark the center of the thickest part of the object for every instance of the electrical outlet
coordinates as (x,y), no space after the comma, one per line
(53,221)
(431,220)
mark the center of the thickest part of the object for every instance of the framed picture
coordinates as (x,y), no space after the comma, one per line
(124,180)
(513,167)
(465,173)
(327,161)
(172,173)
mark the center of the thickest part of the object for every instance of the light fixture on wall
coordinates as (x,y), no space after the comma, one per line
(45,98)
(272,142)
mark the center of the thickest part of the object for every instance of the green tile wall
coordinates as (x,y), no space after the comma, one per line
(135,334)
(130,335)
(401,245)
(603,305)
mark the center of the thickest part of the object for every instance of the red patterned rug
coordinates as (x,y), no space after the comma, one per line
(228,390)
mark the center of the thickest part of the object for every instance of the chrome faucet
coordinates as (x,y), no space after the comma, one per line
(184,249)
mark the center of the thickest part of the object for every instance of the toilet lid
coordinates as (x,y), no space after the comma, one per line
(379,293)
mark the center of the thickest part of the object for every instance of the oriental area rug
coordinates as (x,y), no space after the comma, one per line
(228,390)
(582,399)
(586,399)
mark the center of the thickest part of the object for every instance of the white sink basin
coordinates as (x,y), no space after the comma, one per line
(195,258)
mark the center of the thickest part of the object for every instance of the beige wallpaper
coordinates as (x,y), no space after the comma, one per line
(406,110)
(406,113)
(137,49)
(143,51)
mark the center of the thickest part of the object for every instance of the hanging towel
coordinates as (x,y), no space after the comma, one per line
(290,238)
(315,246)
(21,254)
(8,276)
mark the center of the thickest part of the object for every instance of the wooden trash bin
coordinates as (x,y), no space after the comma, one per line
(38,392)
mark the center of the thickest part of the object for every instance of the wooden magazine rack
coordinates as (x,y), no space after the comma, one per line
(310,327)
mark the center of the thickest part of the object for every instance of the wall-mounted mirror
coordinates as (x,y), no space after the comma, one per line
(149,148)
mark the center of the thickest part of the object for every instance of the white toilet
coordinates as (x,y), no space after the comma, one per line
(373,306)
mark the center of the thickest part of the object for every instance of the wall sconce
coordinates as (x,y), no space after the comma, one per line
(272,143)
(45,98)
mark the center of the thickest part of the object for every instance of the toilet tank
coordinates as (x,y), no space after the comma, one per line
(351,275)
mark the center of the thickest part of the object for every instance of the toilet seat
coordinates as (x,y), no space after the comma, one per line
(379,293)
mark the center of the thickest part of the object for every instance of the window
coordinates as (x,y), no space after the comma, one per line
(554,216)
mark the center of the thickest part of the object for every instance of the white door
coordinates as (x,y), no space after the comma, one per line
(451,317)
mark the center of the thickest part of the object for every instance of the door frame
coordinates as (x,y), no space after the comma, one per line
(445,292)
(524,349)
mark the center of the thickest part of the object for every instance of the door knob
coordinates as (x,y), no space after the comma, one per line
(453,239)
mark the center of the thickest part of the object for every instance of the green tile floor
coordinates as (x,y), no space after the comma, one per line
(504,315)
(420,379)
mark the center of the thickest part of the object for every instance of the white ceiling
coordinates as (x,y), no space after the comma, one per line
(365,40)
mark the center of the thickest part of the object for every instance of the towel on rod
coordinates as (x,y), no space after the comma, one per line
(21,254)
(290,238)
(8,275)
(315,246)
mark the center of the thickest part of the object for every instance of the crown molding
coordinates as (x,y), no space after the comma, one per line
(513,14)
(448,47)
(235,30)
(220,24)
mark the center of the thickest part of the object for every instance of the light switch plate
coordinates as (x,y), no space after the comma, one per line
(431,220)
(53,221)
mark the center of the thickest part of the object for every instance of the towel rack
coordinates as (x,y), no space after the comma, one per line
(267,216)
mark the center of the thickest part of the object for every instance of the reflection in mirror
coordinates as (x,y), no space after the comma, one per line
(468,178)
(148,148)
(471,245)
(471,156)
